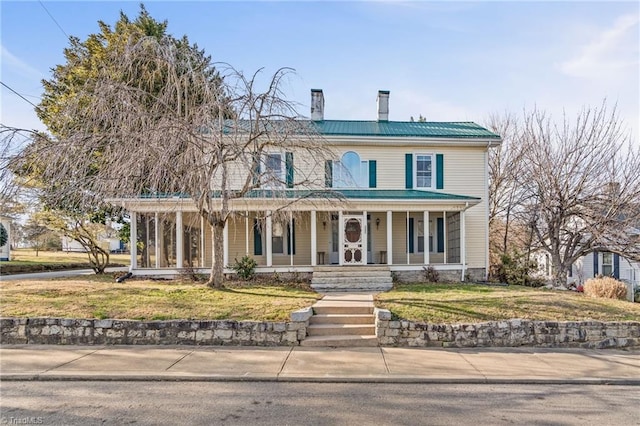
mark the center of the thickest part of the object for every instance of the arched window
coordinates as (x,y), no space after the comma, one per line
(351,172)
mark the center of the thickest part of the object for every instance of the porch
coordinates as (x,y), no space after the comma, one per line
(168,242)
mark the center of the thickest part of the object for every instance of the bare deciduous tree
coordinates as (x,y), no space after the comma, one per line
(192,136)
(578,185)
(505,193)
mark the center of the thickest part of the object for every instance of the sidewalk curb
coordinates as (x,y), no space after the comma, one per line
(30,377)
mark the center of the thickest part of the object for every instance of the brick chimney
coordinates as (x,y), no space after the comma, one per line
(317,105)
(383,105)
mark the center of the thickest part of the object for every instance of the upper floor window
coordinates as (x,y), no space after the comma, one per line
(351,172)
(273,170)
(424,171)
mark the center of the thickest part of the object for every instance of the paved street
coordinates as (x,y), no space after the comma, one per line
(259,403)
(399,365)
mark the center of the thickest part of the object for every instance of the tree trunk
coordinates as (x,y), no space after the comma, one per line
(99,259)
(559,272)
(216,278)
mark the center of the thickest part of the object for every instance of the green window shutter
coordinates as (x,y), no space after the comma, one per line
(408,171)
(410,235)
(372,174)
(291,235)
(595,263)
(616,266)
(440,224)
(439,171)
(257,238)
(289,166)
(328,173)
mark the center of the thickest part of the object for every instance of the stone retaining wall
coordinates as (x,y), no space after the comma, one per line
(65,331)
(449,275)
(510,333)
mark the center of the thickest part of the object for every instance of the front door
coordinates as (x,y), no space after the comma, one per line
(353,240)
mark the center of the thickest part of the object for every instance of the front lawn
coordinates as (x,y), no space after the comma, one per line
(469,303)
(25,261)
(100,297)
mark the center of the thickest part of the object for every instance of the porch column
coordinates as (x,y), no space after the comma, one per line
(157,240)
(179,241)
(225,244)
(291,231)
(314,237)
(425,236)
(365,237)
(340,235)
(202,245)
(269,239)
(445,237)
(389,238)
(246,233)
(463,259)
(407,239)
(133,240)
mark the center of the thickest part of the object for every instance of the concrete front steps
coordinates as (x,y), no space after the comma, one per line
(342,320)
(361,278)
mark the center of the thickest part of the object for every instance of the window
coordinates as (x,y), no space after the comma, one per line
(273,166)
(607,264)
(277,238)
(420,236)
(351,172)
(424,171)
(272,170)
(431,236)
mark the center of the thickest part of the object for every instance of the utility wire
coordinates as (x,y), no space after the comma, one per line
(22,97)
(52,18)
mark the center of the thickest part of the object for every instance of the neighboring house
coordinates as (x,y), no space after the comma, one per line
(113,245)
(415,195)
(5,238)
(607,264)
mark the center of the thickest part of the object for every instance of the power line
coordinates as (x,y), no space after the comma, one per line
(52,18)
(22,97)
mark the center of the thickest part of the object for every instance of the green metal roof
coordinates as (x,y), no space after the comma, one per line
(350,194)
(429,129)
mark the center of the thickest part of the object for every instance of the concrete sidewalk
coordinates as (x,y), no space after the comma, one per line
(391,365)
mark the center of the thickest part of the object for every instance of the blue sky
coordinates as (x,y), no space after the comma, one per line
(453,61)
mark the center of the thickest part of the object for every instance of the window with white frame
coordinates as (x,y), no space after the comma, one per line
(607,264)
(420,236)
(424,171)
(351,172)
(273,168)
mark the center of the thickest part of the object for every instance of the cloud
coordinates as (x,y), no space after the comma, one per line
(10,59)
(612,52)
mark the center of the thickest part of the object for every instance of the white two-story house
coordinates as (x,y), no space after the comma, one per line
(413,194)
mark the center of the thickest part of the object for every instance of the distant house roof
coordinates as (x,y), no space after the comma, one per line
(431,129)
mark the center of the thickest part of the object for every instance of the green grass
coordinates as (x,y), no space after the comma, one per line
(24,261)
(469,303)
(101,297)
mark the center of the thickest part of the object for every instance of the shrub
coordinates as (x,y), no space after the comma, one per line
(245,267)
(605,287)
(514,269)
(430,274)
